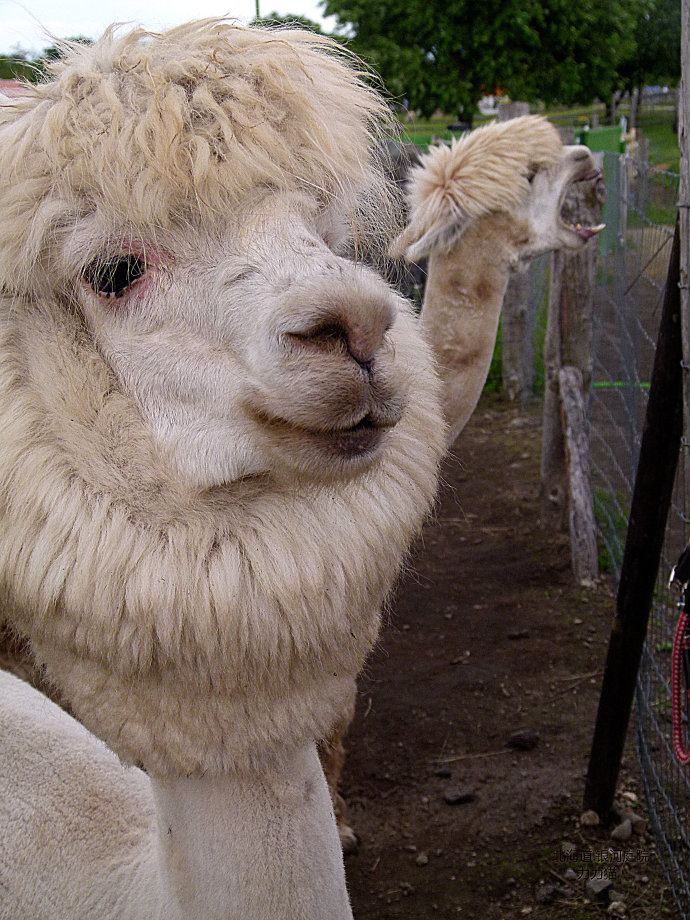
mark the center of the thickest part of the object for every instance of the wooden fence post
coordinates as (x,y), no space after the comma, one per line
(568,344)
(583,528)
(508,110)
(515,339)
(650,502)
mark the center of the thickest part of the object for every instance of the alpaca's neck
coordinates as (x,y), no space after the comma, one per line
(462,306)
(85,838)
(251,846)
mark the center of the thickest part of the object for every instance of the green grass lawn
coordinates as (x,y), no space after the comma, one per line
(657,127)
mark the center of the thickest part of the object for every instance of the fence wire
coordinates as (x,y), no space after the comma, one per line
(632,264)
(631,273)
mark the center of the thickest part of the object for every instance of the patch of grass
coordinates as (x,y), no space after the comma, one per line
(612,528)
(663,140)
(421,132)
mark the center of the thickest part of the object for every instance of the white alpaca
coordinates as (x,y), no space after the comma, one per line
(83,836)
(219,437)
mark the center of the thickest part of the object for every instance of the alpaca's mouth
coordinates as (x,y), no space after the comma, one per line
(584,232)
(568,221)
(356,441)
(359,441)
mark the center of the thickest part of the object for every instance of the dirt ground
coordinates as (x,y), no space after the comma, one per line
(488,636)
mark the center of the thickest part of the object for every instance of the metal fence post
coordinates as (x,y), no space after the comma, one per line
(684,143)
(650,502)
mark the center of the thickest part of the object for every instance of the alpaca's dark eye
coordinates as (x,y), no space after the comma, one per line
(112,277)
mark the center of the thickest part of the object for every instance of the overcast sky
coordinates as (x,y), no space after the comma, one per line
(24,24)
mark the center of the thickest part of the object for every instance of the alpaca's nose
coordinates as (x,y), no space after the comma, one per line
(356,329)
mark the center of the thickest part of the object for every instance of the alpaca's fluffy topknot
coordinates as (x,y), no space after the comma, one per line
(157,129)
(484,172)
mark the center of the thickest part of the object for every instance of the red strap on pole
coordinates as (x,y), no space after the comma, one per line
(681,643)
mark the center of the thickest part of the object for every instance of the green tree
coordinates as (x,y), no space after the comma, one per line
(20,65)
(656,58)
(16,66)
(445,53)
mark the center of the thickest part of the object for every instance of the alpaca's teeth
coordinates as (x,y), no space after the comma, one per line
(587,231)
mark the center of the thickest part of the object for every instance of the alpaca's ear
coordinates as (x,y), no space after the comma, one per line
(428,232)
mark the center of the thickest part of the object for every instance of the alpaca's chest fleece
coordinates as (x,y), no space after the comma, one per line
(190,630)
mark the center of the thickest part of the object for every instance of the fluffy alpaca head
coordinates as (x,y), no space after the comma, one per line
(219,433)
(186,176)
(160,131)
(484,172)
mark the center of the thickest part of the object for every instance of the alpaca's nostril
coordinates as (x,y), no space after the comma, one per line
(366,331)
(365,363)
(357,335)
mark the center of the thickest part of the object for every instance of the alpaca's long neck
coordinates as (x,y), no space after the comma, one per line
(251,846)
(461,310)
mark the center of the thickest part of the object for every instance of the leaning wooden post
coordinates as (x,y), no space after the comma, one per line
(515,327)
(650,503)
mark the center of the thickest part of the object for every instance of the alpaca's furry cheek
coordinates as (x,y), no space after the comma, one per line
(208,454)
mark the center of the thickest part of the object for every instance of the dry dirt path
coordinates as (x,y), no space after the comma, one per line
(487,636)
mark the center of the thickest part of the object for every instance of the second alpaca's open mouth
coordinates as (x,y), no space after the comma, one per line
(569,221)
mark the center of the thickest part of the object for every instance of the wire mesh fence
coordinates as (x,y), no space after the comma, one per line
(631,273)
(641,210)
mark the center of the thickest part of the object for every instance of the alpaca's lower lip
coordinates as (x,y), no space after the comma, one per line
(594,173)
(358,441)
(355,442)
